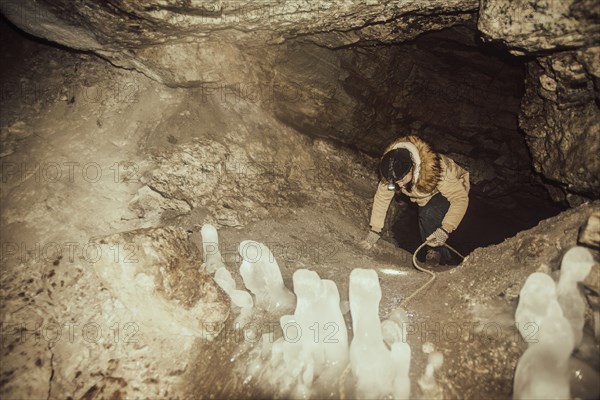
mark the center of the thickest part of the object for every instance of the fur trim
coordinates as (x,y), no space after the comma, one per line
(427,170)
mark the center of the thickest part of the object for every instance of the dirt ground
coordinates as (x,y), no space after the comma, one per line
(467,313)
(78,139)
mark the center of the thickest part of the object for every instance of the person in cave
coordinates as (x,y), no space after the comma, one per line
(438,185)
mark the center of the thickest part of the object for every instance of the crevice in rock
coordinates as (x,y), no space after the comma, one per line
(51,379)
(166,195)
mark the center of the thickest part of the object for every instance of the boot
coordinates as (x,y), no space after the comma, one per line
(433,257)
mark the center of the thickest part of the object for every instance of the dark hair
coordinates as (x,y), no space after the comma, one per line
(395,164)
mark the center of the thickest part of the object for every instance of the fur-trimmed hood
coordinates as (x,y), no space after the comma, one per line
(433,174)
(427,170)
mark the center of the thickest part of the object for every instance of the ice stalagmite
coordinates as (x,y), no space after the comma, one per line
(391,332)
(427,382)
(307,286)
(313,351)
(210,247)
(262,276)
(214,263)
(334,331)
(373,365)
(401,356)
(394,328)
(576,265)
(395,336)
(318,313)
(543,370)
(297,372)
(240,298)
(534,298)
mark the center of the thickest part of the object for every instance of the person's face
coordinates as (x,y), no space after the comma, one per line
(406,180)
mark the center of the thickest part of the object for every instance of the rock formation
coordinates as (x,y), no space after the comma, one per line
(311,64)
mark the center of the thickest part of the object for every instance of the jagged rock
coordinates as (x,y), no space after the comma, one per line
(224,180)
(266,52)
(559,112)
(156,274)
(561,120)
(590,232)
(526,26)
(152,206)
(186,43)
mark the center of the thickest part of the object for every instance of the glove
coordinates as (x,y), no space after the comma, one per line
(370,240)
(437,238)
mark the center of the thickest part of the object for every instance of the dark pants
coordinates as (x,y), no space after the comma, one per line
(430,218)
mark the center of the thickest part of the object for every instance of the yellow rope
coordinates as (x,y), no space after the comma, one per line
(414,259)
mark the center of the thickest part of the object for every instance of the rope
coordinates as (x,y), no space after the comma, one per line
(414,260)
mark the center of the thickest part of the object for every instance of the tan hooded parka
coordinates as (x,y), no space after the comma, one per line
(432,173)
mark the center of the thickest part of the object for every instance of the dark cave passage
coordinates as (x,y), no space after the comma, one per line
(446,87)
(485,223)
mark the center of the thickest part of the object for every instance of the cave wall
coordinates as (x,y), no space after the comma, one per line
(440,86)
(363,93)
(560,109)
(187,43)
(561,119)
(534,27)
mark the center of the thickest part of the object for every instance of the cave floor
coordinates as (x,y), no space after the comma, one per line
(91,123)
(467,313)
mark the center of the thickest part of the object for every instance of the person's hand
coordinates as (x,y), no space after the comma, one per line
(437,238)
(370,240)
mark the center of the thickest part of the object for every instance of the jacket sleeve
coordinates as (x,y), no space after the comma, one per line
(381,203)
(454,186)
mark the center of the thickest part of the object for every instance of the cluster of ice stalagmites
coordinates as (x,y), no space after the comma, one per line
(259,270)
(313,353)
(550,319)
